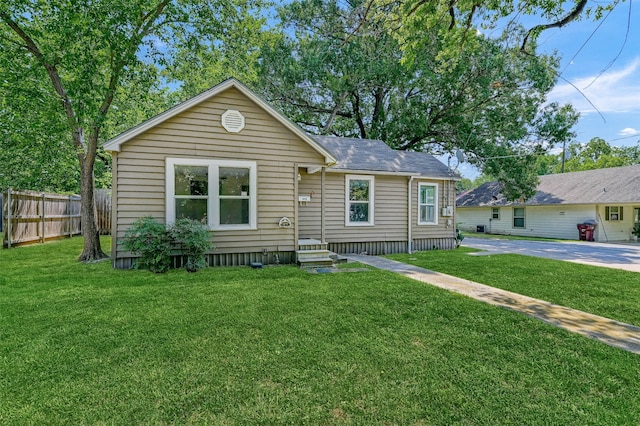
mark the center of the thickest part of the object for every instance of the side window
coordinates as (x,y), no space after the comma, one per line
(359,200)
(613,213)
(495,213)
(518,217)
(427,204)
(220,193)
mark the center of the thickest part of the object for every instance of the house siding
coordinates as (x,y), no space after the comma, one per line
(446,224)
(197,133)
(540,221)
(558,221)
(611,230)
(389,234)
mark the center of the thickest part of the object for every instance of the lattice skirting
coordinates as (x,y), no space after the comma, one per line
(377,248)
(226,259)
(374,248)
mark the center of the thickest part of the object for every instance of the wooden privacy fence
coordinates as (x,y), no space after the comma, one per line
(103,207)
(34,217)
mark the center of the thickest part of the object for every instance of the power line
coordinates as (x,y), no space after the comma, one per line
(624,43)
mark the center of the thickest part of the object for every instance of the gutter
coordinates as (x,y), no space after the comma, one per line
(409,233)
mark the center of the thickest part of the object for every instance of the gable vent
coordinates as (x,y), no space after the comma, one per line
(232,121)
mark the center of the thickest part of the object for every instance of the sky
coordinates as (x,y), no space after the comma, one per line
(596,60)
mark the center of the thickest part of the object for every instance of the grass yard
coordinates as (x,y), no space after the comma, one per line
(607,292)
(85,344)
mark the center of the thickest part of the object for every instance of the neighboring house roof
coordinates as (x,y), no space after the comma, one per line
(612,185)
(115,143)
(371,155)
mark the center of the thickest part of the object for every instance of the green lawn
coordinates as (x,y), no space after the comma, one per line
(84,344)
(607,292)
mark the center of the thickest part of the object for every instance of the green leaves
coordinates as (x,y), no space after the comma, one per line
(151,241)
(155,243)
(414,76)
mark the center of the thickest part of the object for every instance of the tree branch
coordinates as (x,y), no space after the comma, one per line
(54,76)
(577,10)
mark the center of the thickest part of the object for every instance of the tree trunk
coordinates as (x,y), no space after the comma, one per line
(92,250)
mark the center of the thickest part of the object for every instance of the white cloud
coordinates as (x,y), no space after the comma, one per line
(615,91)
(628,131)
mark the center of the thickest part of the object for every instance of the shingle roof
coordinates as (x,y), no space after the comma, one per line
(376,156)
(613,185)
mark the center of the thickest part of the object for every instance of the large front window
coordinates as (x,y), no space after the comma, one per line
(427,204)
(359,200)
(220,193)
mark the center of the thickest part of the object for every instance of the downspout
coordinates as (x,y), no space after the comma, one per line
(296,170)
(322,205)
(409,233)
(114,208)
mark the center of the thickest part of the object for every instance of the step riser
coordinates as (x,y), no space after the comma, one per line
(315,258)
(313,247)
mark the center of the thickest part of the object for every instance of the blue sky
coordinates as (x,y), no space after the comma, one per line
(590,61)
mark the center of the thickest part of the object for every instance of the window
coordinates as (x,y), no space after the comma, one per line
(495,213)
(518,217)
(613,213)
(427,204)
(220,193)
(359,200)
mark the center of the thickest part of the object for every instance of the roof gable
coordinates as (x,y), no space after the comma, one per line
(612,185)
(115,143)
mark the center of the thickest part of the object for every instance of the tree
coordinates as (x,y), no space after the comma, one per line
(598,154)
(339,70)
(87,51)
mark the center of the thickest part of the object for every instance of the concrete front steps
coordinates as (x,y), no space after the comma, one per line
(314,254)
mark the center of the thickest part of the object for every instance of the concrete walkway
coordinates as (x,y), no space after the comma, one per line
(614,333)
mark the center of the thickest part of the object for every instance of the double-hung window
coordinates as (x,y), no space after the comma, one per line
(495,213)
(359,200)
(518,217)
(613,213)
(220,193)
(427,204)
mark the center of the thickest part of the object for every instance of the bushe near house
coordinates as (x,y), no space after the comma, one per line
(269,191)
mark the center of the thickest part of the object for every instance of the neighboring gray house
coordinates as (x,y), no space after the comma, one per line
(610,197)
(267,189)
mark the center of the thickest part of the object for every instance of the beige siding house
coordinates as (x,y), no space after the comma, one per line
(265,187)
(608,197)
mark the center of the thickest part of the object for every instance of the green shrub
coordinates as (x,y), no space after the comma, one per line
(152,242)
(193,239)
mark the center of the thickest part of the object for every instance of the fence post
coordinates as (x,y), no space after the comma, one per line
(9,218)
(43,237)
(69,215)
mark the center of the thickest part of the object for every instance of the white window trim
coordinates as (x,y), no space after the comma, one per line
(514,217)
(435,206)
(347,201)
(498,213)
(213,204)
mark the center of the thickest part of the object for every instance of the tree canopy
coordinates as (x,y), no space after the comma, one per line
(76,58)
(595,154)
(339,69)
(419,75)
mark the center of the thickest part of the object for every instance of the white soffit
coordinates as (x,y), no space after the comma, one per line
(232,121)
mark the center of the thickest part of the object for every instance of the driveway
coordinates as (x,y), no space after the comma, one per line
(619,256)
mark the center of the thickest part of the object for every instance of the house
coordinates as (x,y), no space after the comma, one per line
(267,189)
(608,197)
